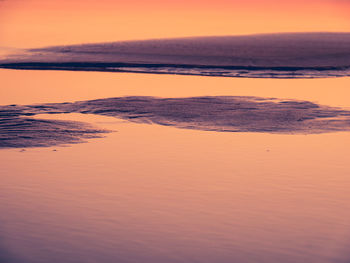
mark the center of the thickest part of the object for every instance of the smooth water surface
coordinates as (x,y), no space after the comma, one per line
(152,193)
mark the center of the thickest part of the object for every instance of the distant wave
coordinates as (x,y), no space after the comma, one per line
(220,114)
(292,55)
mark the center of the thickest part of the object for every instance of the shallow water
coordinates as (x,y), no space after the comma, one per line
(151,193)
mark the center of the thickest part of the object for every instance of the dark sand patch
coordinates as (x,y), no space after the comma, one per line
(220,114)
(289,55)
(19,131)
(230,114)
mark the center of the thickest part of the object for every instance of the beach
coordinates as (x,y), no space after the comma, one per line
(155,193)
(194,131)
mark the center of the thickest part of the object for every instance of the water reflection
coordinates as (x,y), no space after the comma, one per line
(6,256)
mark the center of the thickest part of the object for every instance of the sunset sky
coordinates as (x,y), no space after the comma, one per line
(34,23)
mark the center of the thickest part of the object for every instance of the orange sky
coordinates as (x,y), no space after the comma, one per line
(32,23)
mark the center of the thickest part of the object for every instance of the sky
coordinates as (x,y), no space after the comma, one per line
(37,23)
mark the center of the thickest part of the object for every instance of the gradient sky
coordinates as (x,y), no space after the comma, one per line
(34,23)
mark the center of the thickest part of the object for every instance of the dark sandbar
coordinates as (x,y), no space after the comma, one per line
(220,114)
(289,55)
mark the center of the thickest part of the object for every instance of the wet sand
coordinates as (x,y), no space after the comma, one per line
(288,55)
(155,193)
